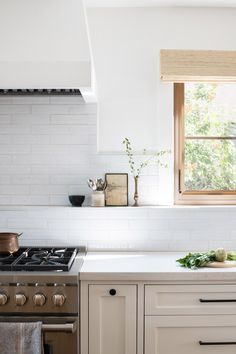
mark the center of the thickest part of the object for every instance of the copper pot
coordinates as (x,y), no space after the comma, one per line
(9,242)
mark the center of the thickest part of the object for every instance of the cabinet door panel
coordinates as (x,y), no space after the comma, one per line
(112,319)
(190,299)
(183,334)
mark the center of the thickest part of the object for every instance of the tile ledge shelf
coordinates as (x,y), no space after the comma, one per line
(143,207)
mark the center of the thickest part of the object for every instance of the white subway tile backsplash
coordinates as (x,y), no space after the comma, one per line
(27,223)
(228,245)
(72,139)
(56,168)
(209,234)
(14,169)
(149,246)
(4,179)
(50,109)
(111,228)
(59,129)
(29,179)
(14,189)
(15,129)
(15,149)
(83,109)
(48,189)
(14,108)
(179,246)
(180,235)
(7,139)
(151,224)
(5,100)
(5,118)
(30,100)
(84,129)
(185,224)
(80,190)
(68,179)
(58,200)
(5,200)
(3,225)
(79,119)
(31,159)
(67,100)
(48,151)
(41,128)
(37,139)
(30,119)
(39,200)
(232,234)
(4,159)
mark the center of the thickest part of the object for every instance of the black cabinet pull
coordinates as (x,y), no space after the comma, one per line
(112,292)
(217,300)
(216,343)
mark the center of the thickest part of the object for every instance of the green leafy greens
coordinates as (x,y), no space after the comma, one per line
(201,259)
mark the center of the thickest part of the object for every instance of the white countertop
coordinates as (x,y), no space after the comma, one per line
(148,266)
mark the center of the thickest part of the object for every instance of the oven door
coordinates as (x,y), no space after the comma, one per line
(60,334)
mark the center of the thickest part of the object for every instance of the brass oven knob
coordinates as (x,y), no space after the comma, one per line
(3,299)
(20,299)
(39,299)
(58,300)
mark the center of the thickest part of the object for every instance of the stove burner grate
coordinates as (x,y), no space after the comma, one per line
(39,259)
(6,257)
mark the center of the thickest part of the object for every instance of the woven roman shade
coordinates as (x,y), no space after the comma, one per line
(198,65)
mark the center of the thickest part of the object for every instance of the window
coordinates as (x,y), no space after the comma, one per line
(205,143)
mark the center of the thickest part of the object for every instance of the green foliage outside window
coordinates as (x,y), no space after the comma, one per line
(210,112)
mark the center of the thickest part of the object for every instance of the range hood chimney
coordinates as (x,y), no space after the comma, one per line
(45,46)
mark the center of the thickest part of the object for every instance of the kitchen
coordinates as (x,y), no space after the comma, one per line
(103,60)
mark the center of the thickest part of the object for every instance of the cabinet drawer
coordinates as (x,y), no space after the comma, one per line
(190,299)
(190,334)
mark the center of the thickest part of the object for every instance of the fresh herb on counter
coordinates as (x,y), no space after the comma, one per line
(201,259)
(231,256)
(197,260)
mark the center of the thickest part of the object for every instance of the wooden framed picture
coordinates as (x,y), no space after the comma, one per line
(117,189)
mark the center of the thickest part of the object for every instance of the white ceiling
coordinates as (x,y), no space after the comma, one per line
(163,3)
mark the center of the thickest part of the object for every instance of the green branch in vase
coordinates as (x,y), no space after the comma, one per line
(154,158)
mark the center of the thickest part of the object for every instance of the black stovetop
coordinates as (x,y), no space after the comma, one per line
(39,259)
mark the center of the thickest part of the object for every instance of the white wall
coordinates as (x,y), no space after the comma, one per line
(126,43)
(132,101)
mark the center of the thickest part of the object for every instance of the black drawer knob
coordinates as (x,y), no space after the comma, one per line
(112,292)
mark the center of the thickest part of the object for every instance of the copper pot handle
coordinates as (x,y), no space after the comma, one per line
(18,235)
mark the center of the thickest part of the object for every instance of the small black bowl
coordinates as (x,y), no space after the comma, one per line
(77,200)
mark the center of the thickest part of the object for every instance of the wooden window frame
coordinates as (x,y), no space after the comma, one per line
(190,197)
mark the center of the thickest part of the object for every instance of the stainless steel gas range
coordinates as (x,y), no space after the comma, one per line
(42,284)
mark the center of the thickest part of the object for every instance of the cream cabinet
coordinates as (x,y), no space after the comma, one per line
(190,334)
(190,319)
(190,299)
(112,319)
(150,318)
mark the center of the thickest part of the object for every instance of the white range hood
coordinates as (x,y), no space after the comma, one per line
(44,45)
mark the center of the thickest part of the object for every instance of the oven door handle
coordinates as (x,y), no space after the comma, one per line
(67,327)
